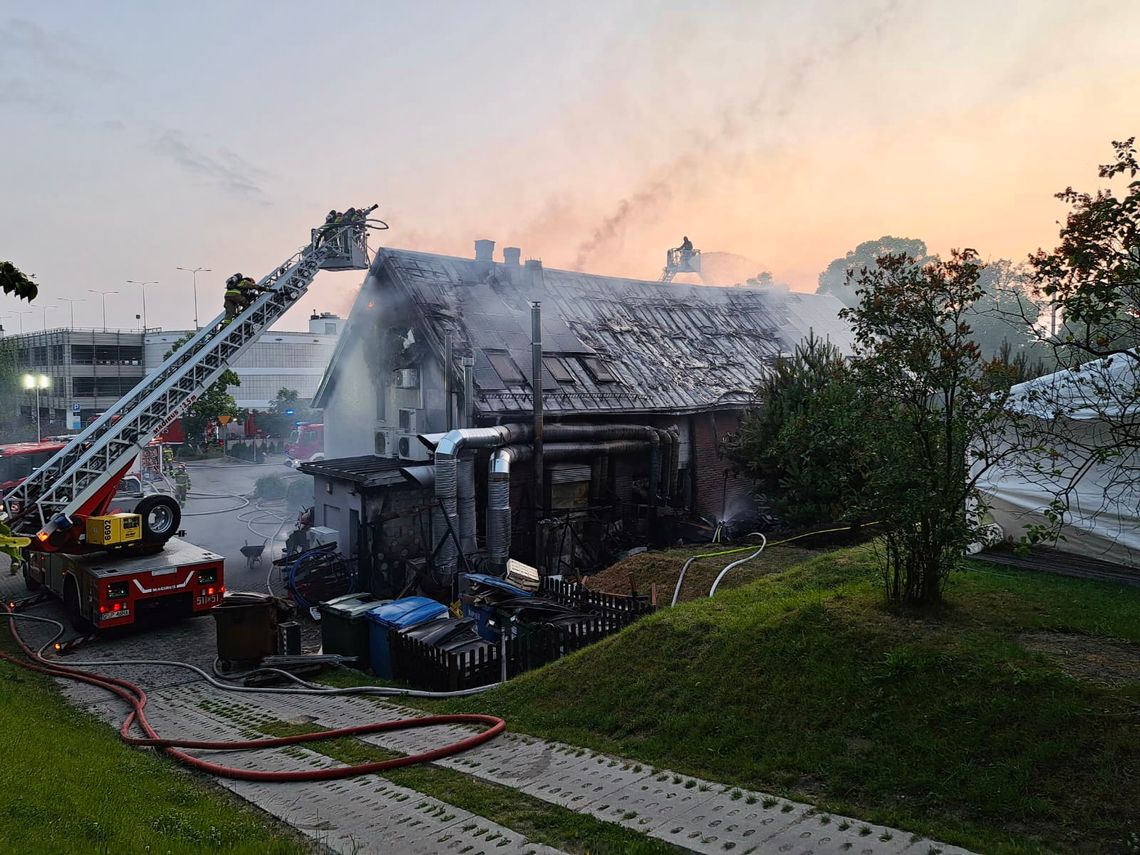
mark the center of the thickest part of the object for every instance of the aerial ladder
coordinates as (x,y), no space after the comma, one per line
(52,505)
(679,260)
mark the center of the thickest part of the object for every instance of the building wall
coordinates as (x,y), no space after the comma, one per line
(91,368)
(277,360)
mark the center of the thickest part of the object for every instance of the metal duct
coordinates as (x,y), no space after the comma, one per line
(570,432)
(466,500)
(536,400)
(447,454)
(468,392)
(499,481)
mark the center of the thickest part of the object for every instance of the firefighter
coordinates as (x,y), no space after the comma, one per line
(234,297)
(181,484)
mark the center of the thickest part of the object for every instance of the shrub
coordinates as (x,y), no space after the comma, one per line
(270,487)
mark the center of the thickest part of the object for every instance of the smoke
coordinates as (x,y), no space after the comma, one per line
(714,149)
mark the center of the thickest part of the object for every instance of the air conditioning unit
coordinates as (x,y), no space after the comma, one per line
(408,421)
(411,448)
(320,535)
(385,443)
(407,378)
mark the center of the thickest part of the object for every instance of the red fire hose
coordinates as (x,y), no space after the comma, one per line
(137,699)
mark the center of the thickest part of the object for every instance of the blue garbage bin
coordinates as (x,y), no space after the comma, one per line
(398,614)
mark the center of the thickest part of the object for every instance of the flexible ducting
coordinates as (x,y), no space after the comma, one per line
(445,518)
(499,481)
(465,491)
(579,432)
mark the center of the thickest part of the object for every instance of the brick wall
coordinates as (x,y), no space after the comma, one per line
(719,493)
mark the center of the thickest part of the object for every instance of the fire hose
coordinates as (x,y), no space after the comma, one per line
(136,699)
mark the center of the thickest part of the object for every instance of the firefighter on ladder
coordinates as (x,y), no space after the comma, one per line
(240,292)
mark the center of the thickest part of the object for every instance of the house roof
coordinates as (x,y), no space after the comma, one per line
(609,344)
(367,470)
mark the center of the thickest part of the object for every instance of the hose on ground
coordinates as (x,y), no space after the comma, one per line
(136,698)
(739,549)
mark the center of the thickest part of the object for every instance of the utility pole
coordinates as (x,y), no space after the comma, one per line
(71,302)
(104,295)
(142,290)
(45,307)
(194,271)
(20,315)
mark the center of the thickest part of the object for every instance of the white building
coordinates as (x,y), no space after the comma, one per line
(277,360)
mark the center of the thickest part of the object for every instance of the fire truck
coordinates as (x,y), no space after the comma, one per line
(306,443)
(111,569)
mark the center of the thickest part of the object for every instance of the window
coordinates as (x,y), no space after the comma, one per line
(83,354)
(558,369)
(505,368)
(599,370)
(82,387)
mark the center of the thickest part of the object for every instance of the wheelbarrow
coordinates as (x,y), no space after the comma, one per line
(253,554)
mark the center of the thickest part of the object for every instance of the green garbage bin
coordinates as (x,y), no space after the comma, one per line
(344,626)
(246,624)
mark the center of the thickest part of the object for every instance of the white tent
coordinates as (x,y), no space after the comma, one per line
(1084,412)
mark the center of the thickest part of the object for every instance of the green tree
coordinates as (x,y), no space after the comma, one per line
(836,279)
(284,411)
(1003,318)
(933,416)
(215,401)
(802,442)
(16,283)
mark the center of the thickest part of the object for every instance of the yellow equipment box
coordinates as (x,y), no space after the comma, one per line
(113,529)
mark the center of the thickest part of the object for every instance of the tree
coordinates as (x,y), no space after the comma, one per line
(931,417)
(801,441)
(16,283)
(1092,279)
(215,401)
(285,410)
(836,279)
(1003,318)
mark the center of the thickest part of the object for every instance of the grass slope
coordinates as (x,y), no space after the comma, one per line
(803,682)
(67,784)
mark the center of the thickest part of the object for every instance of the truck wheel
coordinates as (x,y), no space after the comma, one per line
(160,518)
(71,607)
(29,583)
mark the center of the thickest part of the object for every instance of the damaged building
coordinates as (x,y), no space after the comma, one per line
(439,458)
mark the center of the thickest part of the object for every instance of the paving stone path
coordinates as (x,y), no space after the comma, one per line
(369,814)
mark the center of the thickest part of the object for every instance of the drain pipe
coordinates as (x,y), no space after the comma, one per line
(499,483)
(468,543)
(448,396)
(536,398)
(447,454)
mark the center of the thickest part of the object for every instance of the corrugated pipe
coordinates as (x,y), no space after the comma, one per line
(447,454)
(466,498)
(499,481)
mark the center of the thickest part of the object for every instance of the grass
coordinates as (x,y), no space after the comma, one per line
(67,784)
(539,821)
(805,684)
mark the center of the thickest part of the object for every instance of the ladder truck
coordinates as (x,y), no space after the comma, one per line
(112,569)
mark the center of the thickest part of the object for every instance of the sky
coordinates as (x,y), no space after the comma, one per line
(139,137)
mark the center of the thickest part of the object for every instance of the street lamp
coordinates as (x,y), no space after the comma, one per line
(20,315)
(72,301)
(37,382)
(194,271)
(45,307)
(104,294)
(142,288)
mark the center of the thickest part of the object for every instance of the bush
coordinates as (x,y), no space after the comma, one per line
(299,493)
(801,442)
(270,487)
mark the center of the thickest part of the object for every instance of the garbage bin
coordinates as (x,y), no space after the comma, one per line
(246,624)
(398,614)
(482,595)
(344,626)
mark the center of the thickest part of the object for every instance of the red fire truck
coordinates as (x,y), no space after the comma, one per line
(306,443)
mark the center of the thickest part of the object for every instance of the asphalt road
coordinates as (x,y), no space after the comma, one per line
(222,515)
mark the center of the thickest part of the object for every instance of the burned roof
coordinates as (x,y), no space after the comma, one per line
(609,344)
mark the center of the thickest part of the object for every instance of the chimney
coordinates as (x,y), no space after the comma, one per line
(484,256)
(533,274)
(511,255)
